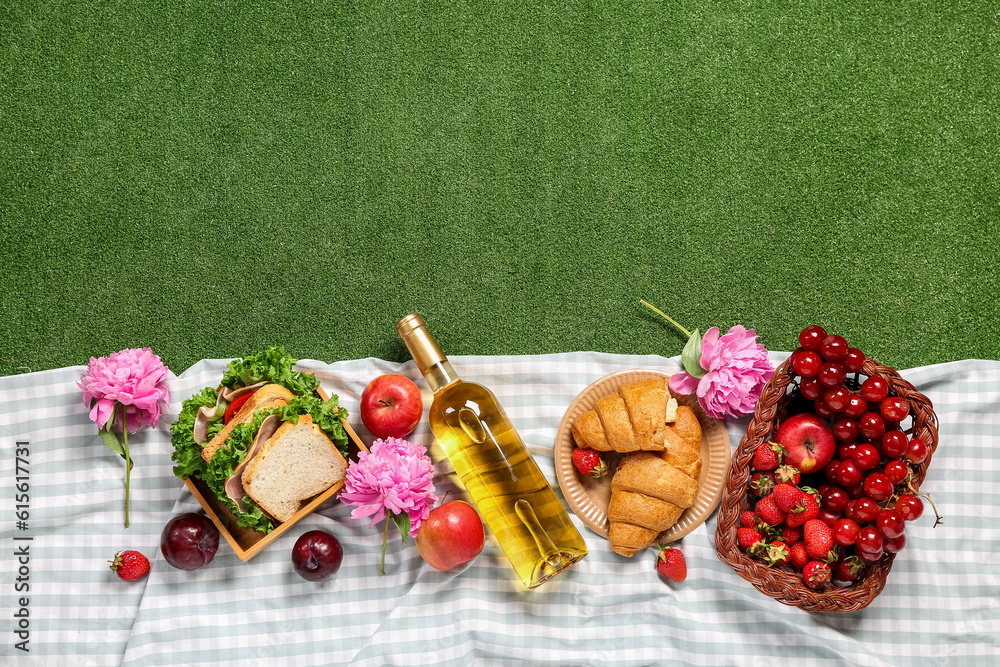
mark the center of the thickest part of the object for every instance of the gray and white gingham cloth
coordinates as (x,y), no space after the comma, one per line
(63,604)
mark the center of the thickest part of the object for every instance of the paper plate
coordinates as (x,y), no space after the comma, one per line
(589,497)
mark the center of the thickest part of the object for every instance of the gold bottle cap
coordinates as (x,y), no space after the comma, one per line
(422,346)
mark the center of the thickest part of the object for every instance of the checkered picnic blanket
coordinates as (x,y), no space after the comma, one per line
(61,522)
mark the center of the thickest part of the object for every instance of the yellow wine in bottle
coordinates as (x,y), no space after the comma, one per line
(514,498)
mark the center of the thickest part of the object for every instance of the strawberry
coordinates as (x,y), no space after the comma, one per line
(670,563)
(768,456)
(761,483)
(768,512)
(785,496)
(818,538)
(791,535)
(787,474)
(804,510)
(816,574)
(797,555)
(777,554)
(849,569)
(130,565)
(589,462)
(748,539)
(748,519)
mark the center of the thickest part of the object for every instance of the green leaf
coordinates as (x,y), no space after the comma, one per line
(691,356)
(272,364)
(111,440)
(187,453)
(402,522)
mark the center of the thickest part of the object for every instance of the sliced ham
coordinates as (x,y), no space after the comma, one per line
(206,415)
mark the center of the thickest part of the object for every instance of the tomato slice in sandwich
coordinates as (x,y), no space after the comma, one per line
(235,405)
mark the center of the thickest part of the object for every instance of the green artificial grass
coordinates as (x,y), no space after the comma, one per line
(206,178)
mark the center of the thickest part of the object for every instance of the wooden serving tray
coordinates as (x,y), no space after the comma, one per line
(248,543)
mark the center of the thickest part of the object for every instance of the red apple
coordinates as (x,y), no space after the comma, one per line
(451,535)
(808,442)
(391,406)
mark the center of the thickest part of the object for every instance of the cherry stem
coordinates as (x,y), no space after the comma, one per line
(665,316)
(937,517)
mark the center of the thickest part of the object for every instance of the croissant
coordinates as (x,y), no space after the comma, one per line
(631,420)
(648,495)
(656,479)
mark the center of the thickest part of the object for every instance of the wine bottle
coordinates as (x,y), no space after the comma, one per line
(509,490)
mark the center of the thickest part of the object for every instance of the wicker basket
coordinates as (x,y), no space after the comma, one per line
(782,584)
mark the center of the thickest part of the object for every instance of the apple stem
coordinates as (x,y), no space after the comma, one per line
(385,539)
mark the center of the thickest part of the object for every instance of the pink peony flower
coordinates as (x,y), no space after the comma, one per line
(129,382)
(736,368)
(131,378)
(396,480)
(396,476)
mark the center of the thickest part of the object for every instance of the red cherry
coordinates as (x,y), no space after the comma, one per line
(830,471)
(866,456)
(835,499)
(869,539)
(819,407)
(811,388)
(894,443)
(845,428)
(854,360)
(845,532)
(845,450)
(878,487)
(894,409)
(836,398)
(897,471)
(856,491)
(874,389)
(893,545)
(806,363)
(870,556)
(910,506)
(833,348)
(829,518)
(871,425)
(811,337)
(916,451)
(890,523)
(832,374)
(856,406)
(865,510)
(849,474)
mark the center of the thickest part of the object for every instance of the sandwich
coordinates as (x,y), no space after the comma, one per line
(264,441)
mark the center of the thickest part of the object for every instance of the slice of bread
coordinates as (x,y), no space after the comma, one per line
(298,462)
(268,396)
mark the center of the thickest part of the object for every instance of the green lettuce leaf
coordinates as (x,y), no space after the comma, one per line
(272,365)
(187,453)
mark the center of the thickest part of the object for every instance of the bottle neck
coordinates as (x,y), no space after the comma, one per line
(425,352)
(440,375)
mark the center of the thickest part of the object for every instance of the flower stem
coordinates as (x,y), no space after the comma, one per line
(665,316)
(385,539)
(128,461)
